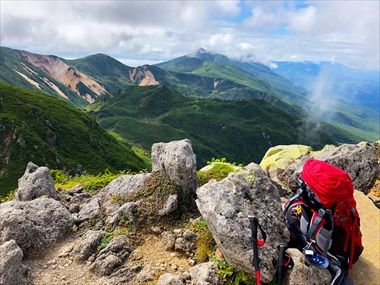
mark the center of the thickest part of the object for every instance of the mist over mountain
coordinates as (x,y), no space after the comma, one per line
(358,87)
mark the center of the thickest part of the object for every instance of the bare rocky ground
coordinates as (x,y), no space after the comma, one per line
(55,267)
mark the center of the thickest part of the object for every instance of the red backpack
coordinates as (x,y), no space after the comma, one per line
(323,214)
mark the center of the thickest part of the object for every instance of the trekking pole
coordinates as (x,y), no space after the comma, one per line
(254,223)
(280,266)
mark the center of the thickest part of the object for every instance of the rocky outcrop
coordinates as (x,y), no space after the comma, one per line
(35,224)
(89,211)
(226,206)
(125,210)
(35,182)
(177,160)
(123,186)
(170,205)
(360,163)
(12,271)
(304,272)
(205,274)
(87,245)
(113,256)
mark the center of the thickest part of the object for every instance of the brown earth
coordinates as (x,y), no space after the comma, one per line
(64,74)
(56,267)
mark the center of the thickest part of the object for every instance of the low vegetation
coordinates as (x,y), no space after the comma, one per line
(242,131)
(39,128)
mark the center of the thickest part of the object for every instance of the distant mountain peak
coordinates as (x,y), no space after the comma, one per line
(200,52)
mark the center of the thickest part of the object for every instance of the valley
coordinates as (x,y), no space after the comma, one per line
(227,108)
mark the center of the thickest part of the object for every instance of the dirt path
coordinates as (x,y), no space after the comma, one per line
(56,267)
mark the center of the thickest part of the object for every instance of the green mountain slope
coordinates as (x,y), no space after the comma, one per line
(16,70)
(104,69)
(199,75)
(40,128)
(253,75)
(240,130)
(244,80)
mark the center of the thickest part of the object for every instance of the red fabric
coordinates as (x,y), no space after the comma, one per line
(329,183)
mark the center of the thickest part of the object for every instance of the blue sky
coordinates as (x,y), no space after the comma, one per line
(145,32)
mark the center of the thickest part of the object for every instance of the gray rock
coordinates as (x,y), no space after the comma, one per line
(168,239)
(75,190)
(122,275)
(111,257)
(74,208)
(106,265)
(35,183)
(181,244)
(12,271)
(177,160)
(205,274)
(110,207)
(170,205)
(87,245)
(189,235)
(123,186)
(169,279)
(125,210)
(35,224)
(146,274)
(226,206)
(360,163)
(304,272)
(89,211)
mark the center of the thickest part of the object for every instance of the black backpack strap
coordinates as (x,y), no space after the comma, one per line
(311,232)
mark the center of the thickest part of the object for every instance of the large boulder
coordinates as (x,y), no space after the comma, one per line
(177,160)
(360,163)
(35,224)
(281,157)
(12,271)
(35,182)
(226,206)
(278,158)
(122,186)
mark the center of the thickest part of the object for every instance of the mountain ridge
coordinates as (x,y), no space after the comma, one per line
(210,76)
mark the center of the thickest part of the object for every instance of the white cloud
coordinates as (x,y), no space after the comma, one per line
(220,39)
(347,31)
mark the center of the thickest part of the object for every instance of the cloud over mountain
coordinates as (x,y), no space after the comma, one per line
(263,31)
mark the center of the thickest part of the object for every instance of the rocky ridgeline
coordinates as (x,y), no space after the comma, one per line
(38,218)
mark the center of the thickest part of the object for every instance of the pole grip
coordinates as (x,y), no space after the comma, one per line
(253,221)
(280,266)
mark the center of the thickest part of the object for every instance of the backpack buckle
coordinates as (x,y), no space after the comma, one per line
(321,212)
